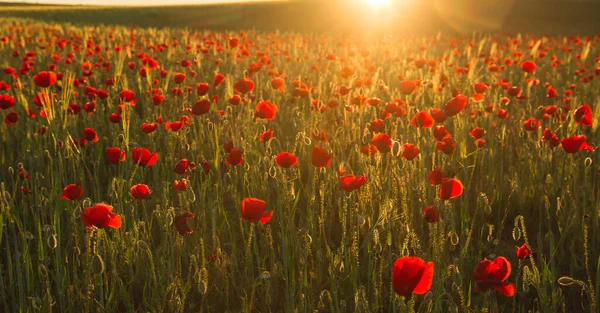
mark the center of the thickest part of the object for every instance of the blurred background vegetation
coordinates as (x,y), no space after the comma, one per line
(406,16)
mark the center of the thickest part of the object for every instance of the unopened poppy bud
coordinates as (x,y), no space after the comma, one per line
(566,281)
(51,242)
(361,220)
(143,245)
(43,270)
(97,265)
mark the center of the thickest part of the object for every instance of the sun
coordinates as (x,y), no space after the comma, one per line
(378,3)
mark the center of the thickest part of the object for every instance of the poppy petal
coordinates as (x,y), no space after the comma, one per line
(266,217)
(426,280)
(507,289)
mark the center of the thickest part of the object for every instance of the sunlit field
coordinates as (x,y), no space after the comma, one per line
(184,169)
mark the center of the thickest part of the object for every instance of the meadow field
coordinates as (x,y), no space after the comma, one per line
(233,167)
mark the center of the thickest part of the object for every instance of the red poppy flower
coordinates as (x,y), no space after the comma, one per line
(140,191)
(4,86)
(492,275)
(532,124)
(438,115)
(255,210)
(455,105)
(436,176)
(583,115)
(410,152)
(480,87)
(440,133)
(24,174)
(181,223)
(513,91)
(575,143)
(89,107)
(174,126)
(278,84)
(181,167)
(446,145)
(176,91)
(234,157)
(407,87)
(72,192)
(7,102)
(431,213)
(451,188)
(523,252)
(206,167)
(547,134)
(127,95)
(244,85)
(148,128)
(266,136)
(202,89)
(476,97)
(477,132)
(503,114)
(350,183)
(143,156)
(422,119)
(180,184)
(201,106)
(74,109)
(44,79)
(550,109)
(185,119)
(480,143)
(233,42)
(286,160)
(179,78)
(412,275)
(115,117)
(11,118)
(369,150)
(377,126)
(101,216)
(115,155)
(320,157)
(218,80)
(90,135)
(266,110)
(235,100)
(383,143)
(528,66)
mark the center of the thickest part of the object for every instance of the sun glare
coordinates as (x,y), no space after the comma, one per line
(378,3)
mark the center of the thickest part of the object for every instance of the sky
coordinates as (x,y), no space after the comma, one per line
(123,2)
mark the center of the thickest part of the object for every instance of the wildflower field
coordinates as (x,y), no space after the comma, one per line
(191,170)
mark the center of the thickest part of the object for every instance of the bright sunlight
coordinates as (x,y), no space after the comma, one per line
(378,3)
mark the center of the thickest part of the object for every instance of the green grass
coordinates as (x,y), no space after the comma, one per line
(324,250)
